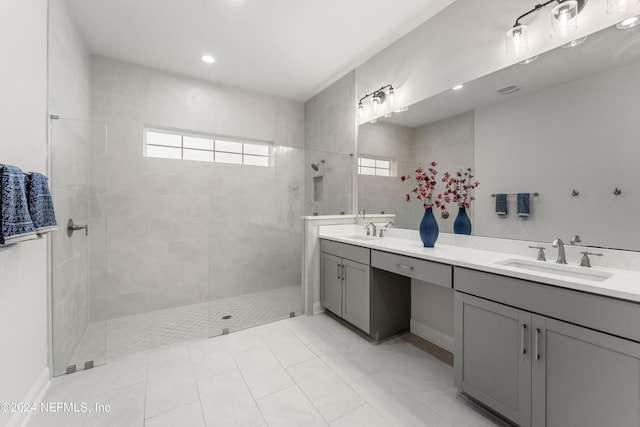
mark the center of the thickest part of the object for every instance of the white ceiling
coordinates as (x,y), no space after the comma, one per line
(289,48)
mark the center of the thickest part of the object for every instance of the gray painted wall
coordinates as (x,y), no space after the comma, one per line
(556,140)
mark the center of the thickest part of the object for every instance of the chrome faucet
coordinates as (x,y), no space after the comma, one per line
(558,243)
(389,224)
(375,232)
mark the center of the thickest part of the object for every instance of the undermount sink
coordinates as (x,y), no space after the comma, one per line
(362,237)
(559,269)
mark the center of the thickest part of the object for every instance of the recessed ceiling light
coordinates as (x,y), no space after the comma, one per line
(529,60)
(208,59)
(574,43)
(457,87)
(628,23)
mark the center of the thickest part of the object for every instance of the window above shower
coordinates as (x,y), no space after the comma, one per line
(168,144)
(377,166)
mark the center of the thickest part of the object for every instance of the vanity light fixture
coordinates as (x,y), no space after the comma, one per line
(208,59)
(615,6)
(564,20)
(377,98)
(628,23)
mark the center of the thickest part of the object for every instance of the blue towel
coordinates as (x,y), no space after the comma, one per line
(501,204)
(40,203)
(15,221)
(523,204)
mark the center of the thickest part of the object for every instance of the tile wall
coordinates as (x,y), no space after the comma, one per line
(329,135)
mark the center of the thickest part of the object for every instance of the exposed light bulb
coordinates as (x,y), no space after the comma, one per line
(391,97)
(564,18)
(457,87)
(517,40)
(208,59)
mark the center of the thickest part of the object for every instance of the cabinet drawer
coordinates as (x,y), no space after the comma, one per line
(343,250)
(596,312)
(432,272)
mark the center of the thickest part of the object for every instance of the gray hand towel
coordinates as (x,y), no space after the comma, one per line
(501,204)
(523,204)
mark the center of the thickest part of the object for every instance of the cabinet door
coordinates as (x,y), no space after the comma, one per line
(583,378)
(493,356)
(356,307)
(331,283)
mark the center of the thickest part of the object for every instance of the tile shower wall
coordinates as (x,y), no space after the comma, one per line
(330,134)
(379,193)
(177,228)
(256,227)
(69,96)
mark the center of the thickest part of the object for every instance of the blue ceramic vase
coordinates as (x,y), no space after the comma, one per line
(462,224)
(428,229)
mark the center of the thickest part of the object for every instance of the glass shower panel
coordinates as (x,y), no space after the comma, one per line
(157,213)
(328,183)
(77,283)
(256,241)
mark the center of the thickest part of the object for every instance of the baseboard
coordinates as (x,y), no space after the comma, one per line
(317,308)
(436,337)
(35,395)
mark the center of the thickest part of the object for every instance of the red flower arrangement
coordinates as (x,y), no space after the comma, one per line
(458,187)
(425,186)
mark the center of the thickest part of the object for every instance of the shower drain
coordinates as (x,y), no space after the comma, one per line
(227,317)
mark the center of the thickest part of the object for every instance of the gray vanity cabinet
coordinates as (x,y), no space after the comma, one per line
(345,282)
(356,294)
(331,279)
(495,356)
(537,370)
(583,378)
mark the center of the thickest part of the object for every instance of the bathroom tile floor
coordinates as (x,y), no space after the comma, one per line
(304,371)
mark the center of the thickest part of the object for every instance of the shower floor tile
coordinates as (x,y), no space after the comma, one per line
(123,336)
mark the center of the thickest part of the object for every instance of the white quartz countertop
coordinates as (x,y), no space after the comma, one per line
(623,284)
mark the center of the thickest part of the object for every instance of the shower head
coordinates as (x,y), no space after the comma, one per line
(316,166)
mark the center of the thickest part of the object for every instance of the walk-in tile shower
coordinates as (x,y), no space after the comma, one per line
(175,249)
